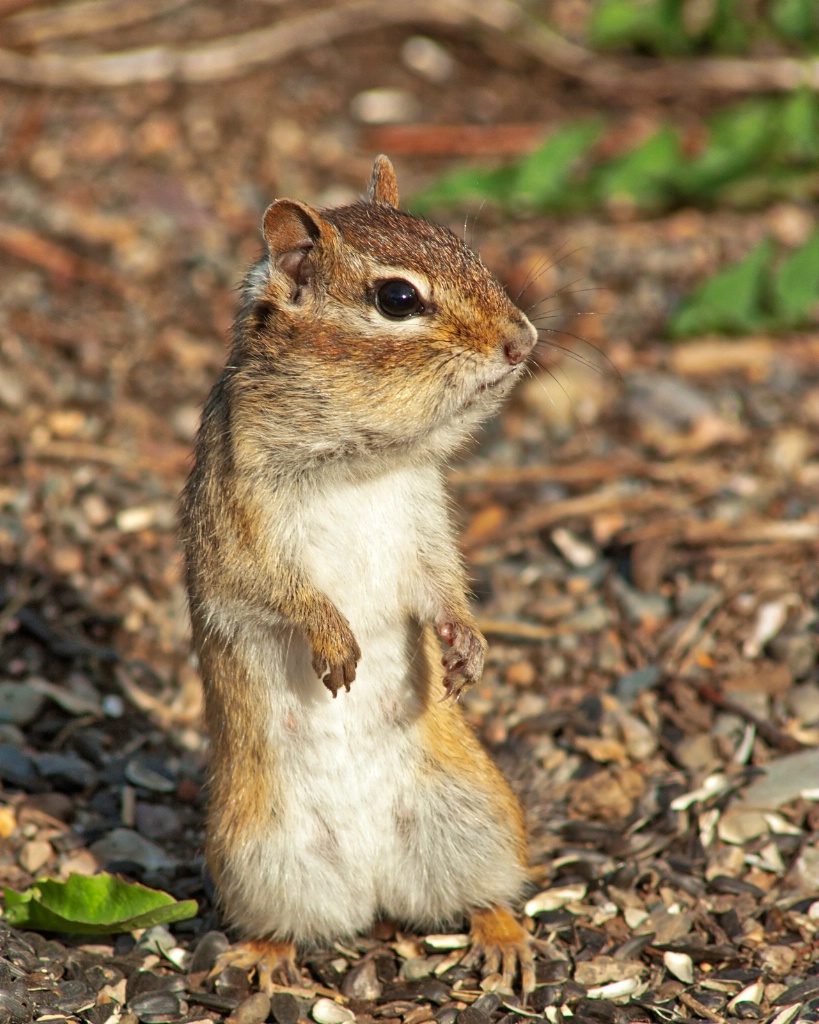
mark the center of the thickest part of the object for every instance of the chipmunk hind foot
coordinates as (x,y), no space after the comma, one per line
(504,946)
(273,962)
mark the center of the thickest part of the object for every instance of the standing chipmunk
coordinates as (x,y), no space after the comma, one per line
(321,564)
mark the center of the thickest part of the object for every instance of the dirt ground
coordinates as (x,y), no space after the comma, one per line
(640,525)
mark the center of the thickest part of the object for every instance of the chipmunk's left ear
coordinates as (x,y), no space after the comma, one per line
(383,186)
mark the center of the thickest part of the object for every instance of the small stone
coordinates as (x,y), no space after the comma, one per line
(777,959)
(157,1007)
(577,552)
(209,947)
(361,982)
(416,968)
(141,773)
(804,873)
(284,1008)
(384,106)
(20,703)
(67,772)
(125,844)
(156,821)
(803,702)
(680,965)
(633,683)
(325,1011)
(640,740)
(252,1010)
(473,1015)
(697,752)
(786,778)
(428,58)
(799,651)
(521,673)
(34,854)
(17,769)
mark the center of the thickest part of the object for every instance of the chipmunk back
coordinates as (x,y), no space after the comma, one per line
(321,564)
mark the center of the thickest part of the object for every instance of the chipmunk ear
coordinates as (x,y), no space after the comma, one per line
(291,229)
(383,185)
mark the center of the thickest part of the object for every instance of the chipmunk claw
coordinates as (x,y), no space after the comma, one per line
(273,963)
(463,663)
(503,947)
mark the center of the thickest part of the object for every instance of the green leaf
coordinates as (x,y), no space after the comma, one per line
(796,20)
(643,177)
(730,302)
(799,128)
(543,178)
(795,285)
(466,185)
(737,138)
(646,24)
(101,904)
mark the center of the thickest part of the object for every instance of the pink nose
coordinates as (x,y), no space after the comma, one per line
(518,346)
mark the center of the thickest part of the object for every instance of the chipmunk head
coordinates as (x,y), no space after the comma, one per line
(386,329)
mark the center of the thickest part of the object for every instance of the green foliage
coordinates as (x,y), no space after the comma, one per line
(101,904)
(673,28)
(643,178)
(654,25)
(729,303)
(795,286)
(755,151)
(754,294)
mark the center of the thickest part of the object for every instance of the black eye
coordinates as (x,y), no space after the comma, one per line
(398,299)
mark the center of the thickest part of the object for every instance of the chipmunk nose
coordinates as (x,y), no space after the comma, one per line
(518,346)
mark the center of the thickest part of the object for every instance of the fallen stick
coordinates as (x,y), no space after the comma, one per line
(236,55)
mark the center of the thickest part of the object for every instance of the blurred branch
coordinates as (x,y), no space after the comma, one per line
(46,23)
(235,55)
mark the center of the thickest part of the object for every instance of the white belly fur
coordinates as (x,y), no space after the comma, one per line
(362,829)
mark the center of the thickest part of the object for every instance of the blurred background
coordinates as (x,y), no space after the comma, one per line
(642,519)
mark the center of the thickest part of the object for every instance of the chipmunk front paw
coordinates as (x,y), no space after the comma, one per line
(464,661)
(335,656)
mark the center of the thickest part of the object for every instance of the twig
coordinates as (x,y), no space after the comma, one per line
(525,632)
(699,1008)
(773,737)
(43,24)
(237,55)
(31,247)
(542,517)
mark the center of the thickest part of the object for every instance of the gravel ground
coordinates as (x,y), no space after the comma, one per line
(640,525)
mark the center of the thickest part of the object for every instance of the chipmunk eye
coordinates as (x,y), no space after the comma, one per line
(398,299)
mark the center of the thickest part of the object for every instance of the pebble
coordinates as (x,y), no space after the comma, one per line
(67,772)
(640,740)
(325,1011)
(670,401)
(156,821)
(428,58)
(141,772)
(803,702)
(125,844)
(785,779)
(20,703)
(17,769)
(207,950)
(691,598)
(12,1010)
(384,106)
(799,651)
(473,1015)
(252,1010)
(285,1008)
(157,1007)
(697,752)
(633,683)
(361,982)
(34,854)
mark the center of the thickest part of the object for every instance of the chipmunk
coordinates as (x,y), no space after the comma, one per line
(323,576)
